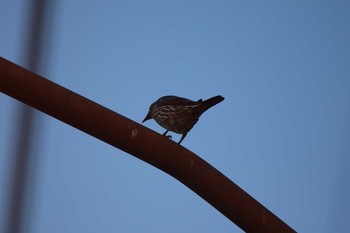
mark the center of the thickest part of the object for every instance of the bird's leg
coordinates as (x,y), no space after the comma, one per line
(182,138)
(168,136)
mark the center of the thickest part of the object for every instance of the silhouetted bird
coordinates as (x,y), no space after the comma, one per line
(179,114)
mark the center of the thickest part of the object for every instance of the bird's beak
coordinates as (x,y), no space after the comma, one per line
(147,117)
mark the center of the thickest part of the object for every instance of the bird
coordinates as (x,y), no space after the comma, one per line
(179,114)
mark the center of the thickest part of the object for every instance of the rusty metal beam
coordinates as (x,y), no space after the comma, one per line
(141,142)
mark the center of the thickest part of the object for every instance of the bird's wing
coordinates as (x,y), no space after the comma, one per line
(174,100)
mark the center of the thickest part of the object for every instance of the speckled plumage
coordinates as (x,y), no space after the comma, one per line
(178,114)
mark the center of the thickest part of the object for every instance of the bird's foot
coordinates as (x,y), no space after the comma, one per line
(168,136)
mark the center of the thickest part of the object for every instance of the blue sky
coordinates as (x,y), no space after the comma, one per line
(281,134)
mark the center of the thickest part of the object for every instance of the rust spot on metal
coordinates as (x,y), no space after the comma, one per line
(191,162)
(134,133)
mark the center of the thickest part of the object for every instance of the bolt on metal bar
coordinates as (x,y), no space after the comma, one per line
(141,142)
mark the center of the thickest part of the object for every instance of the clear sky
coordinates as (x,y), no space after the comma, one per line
(282,133)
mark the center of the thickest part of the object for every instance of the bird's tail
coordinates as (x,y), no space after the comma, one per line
(212,101)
